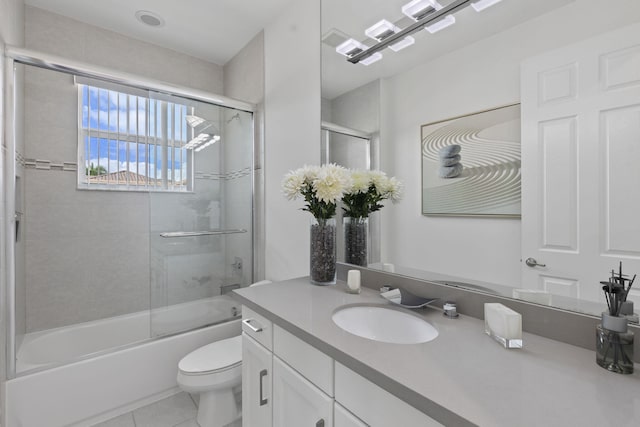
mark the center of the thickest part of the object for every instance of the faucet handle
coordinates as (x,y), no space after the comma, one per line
(385,288)
(450,310)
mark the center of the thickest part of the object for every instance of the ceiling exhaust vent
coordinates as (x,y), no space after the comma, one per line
(150,19)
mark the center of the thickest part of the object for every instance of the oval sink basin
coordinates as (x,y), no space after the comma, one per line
(384,324)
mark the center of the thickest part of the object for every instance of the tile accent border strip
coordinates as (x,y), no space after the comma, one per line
(49,165)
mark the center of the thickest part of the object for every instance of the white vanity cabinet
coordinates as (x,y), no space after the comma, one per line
(286,382)
(296,401)
(257,377)
(257,373)
(277,374)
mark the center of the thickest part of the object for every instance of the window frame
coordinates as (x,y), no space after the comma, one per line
(162,145)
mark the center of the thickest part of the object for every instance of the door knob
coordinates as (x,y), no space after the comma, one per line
(531,262)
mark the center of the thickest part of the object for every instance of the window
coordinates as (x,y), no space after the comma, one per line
(131,141)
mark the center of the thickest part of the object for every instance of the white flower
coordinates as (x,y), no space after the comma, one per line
(379,181)
(392,189)
(361,181)
(310,173)
(292,184)
(331,183)
(295,182)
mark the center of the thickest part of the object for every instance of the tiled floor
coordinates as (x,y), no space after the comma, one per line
(179,410)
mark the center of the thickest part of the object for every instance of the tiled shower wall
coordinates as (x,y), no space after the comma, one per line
(87,252)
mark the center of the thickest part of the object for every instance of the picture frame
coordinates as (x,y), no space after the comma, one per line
(471,164)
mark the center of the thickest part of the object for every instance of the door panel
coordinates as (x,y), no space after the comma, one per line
(580,157)
(296,401)
(256,384)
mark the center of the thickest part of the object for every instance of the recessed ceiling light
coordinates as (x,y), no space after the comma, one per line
(151,19)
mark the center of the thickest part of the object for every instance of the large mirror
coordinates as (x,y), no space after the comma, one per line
(574,68)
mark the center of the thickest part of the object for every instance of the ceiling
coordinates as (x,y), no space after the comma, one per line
(213,30)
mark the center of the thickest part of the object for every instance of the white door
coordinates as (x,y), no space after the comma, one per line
(256,384)
(296,401)
(581,165)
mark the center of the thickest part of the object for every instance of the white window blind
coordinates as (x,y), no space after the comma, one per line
(131,141)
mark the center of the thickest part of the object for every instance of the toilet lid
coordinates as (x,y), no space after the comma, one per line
(219,355)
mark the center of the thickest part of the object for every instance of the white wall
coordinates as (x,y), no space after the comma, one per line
(292,131)
(483,75)
(244,73)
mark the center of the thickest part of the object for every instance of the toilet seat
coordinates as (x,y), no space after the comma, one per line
(216,357)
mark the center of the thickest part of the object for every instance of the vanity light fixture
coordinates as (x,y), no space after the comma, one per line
(352,47)
(447,21)
(383,29)
(427,14)
(483,4)
(371,59)
(419,9)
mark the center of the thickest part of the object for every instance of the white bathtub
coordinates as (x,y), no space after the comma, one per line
(111,382)
(69,343)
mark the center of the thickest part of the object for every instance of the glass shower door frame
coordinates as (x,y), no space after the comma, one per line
(15,55)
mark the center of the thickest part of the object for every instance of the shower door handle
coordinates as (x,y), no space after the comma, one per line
(263,401)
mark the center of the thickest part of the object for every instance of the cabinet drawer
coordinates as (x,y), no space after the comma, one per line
(257,327)
(314,365)
(373,405)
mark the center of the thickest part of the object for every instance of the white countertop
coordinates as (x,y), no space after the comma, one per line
(463,377)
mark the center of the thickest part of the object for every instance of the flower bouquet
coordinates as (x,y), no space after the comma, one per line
(367,191)
(321,187)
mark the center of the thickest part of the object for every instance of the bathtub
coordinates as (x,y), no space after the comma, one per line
(69,343)
(92,380)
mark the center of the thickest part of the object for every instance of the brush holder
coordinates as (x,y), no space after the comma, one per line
(614,344)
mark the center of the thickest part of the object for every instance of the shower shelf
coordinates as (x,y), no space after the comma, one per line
(171,234)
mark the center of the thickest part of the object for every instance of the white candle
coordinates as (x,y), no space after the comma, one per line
(353,280)
(503,324)
(387,266)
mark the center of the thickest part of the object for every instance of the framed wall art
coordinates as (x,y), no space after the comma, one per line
(471,164)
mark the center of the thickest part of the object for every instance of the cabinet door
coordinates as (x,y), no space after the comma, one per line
(344,418)
(256,384)
(297,402)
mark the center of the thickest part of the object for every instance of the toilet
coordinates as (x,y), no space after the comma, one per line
(213,371)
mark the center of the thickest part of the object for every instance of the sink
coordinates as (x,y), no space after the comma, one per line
(384,324)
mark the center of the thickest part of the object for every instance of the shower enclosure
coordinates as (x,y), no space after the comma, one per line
(133,207)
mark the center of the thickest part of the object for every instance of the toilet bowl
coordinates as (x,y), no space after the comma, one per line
(213,371)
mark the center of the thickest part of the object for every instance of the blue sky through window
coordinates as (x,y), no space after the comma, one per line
(124,132)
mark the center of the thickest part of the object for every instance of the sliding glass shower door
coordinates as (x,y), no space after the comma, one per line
(133,215)
(200,240)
